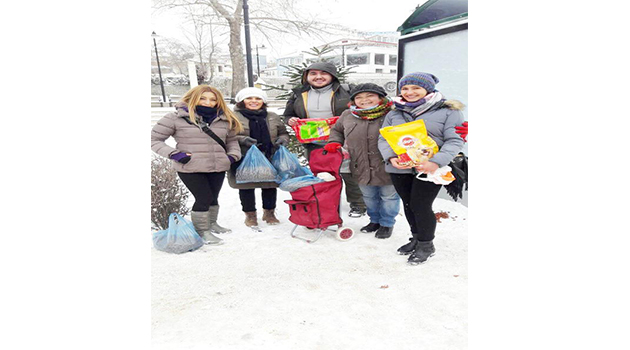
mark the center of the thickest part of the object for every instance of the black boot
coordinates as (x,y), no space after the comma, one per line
(371,227)
(409,247)
(356,212)
(424,250)
(384,232)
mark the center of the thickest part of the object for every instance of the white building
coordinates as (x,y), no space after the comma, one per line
(369,56)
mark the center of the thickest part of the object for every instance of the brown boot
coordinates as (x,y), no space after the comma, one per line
(269,217)
(250,219)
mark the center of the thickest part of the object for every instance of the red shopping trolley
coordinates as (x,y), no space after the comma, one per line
(317,206)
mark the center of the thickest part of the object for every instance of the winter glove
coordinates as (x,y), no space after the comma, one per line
(462,130)
(281,142)
(232,160)
(248,141)
(180,157)
(332,147)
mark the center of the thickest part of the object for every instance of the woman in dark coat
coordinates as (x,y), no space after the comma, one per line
(265,130)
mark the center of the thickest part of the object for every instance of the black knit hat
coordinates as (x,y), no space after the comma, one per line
(367,87)
(323,66)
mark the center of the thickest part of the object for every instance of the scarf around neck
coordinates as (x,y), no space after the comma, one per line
(371,113)
(258,129)
(208,114)
(420,106)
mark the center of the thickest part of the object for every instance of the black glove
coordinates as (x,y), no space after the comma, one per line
(281,142)
(248,141)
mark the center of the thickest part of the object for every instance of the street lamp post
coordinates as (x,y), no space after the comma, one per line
(258,60)
(248,46)
(159,69)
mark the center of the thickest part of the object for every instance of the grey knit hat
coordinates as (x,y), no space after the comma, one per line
(367,87)
(323,66)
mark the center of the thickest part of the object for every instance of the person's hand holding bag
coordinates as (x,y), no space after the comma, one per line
(281,142)
(332,147)
(248,141)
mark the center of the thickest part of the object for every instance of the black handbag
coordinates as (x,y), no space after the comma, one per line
(459,166)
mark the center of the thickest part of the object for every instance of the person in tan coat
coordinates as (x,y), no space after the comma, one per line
(265,130)
(358,129)
(205,132)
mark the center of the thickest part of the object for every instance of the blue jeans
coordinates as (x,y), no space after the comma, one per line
(383,204)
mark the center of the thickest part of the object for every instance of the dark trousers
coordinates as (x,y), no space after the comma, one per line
(353,192)
(417,197)
(248,198)
(205,187)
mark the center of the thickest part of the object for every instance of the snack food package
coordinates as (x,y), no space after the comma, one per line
(314,130)
(410,142)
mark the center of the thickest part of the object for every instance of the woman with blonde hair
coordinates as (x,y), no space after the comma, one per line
(205,132)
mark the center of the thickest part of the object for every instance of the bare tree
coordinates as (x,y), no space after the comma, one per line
(269,17)
(175,53)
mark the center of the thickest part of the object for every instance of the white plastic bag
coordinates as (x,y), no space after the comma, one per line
(442,176)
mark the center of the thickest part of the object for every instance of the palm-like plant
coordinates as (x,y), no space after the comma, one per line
(295,72)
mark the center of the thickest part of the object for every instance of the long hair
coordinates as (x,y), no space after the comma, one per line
(193,96)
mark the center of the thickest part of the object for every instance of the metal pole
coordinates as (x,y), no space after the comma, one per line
(343,55)
(159,71)
(248,46)
(257,62)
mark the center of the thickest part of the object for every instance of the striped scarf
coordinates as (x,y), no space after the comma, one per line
(418,107)
(372,112)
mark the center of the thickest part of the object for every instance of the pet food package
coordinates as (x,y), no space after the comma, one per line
(315,130)
(410,142)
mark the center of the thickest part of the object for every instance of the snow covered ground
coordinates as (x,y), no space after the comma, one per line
(271,291)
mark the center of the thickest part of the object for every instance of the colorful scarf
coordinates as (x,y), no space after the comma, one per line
(372,112)
(420,106)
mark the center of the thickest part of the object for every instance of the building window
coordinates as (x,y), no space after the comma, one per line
(379,70)
(392,71)
(392,60)
(336,60)
(358,59)
(220,69)
(379,59)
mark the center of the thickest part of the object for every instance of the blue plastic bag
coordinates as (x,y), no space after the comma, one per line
(179,237)
(287,165)
(255,167)
(295,183)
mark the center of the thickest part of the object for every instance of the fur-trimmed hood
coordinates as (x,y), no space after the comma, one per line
(454,105)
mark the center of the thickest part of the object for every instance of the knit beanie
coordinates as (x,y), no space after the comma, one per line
(425,80)
(323,66)
(251,92)
(367,87)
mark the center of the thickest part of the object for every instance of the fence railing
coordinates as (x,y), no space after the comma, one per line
(159,111)
(171,100)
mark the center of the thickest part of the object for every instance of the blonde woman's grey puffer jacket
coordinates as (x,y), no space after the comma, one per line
(207,155)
